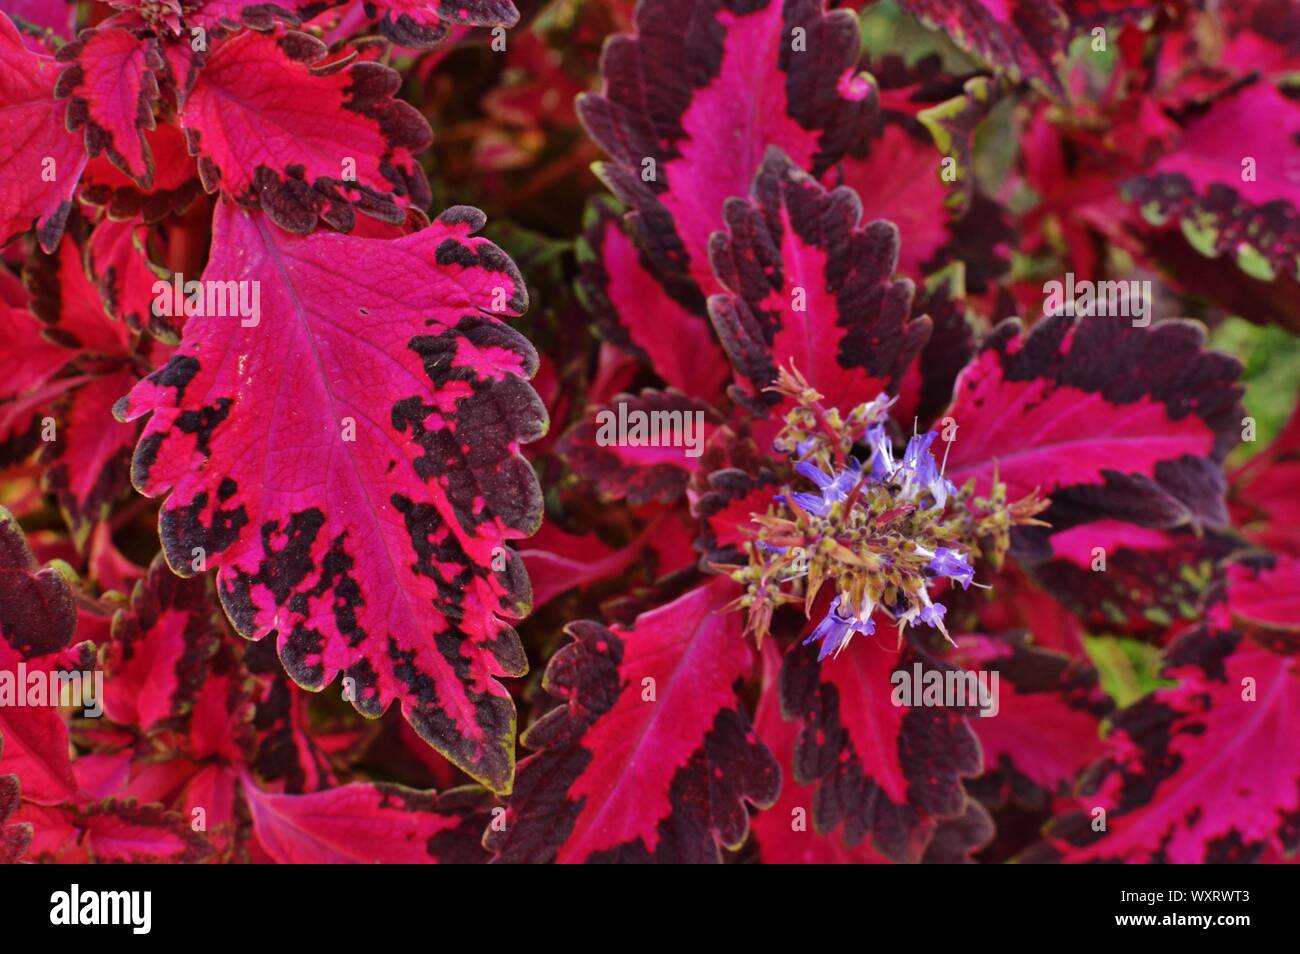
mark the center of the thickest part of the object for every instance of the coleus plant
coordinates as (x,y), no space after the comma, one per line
(273,460)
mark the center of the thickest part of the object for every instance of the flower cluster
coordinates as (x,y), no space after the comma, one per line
(880,530)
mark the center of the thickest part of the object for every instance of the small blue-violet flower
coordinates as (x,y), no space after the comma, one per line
(836,630)
(953,565)
(834,487)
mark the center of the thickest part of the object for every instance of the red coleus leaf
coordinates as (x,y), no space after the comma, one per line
(15,837)
(785,832)
(621,292)
(926,386)
(117,258)
(1120,577)
(41,159)
(160,651)
(27,382)
(66,300)
(1258,37)
(272,130)
(641,448)
(88,466)
(1197,772)
(365,823)
(422,24)
(887,772)
(898,180)
(215,790)
(1047,726)
(85,456)
(56,15)
(38,621)
(558,561)
(220,722)
(37,752)
(115,831)
(1263,499)
(111,90)
(1020,604)
(369,527)
(286,753)
(1105,418)
(256,14)
(692,101)
(175,181)
(1025,38)
(38,615)
(1266,595)
(734,481)
(650,757)
(807,283)
(1231,182)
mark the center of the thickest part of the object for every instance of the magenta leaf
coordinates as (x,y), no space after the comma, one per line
(422,24)
(1195,773)
(55,15)
(159,655)
(255,14)
(88,467)
(1267,596)
(38,621)
(1025,38)
(16,836)
(117,258)
(785,832)
(1122,578)
(558,561)
(650,757)
(1047,728)
(693,99)
(41,159)
(807,283)
(175,183)
(85,458)
(111,90)
(27,381)
(1229,183)
(66,300)
(286,754)
(350,461)
(1107,419)
(898,180)
(274,131)
(121,831)
(1263,498)
(36,751)
(369,823)
(1262,598)
(642,465)
(620,290)
(926,386)
(888,773)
